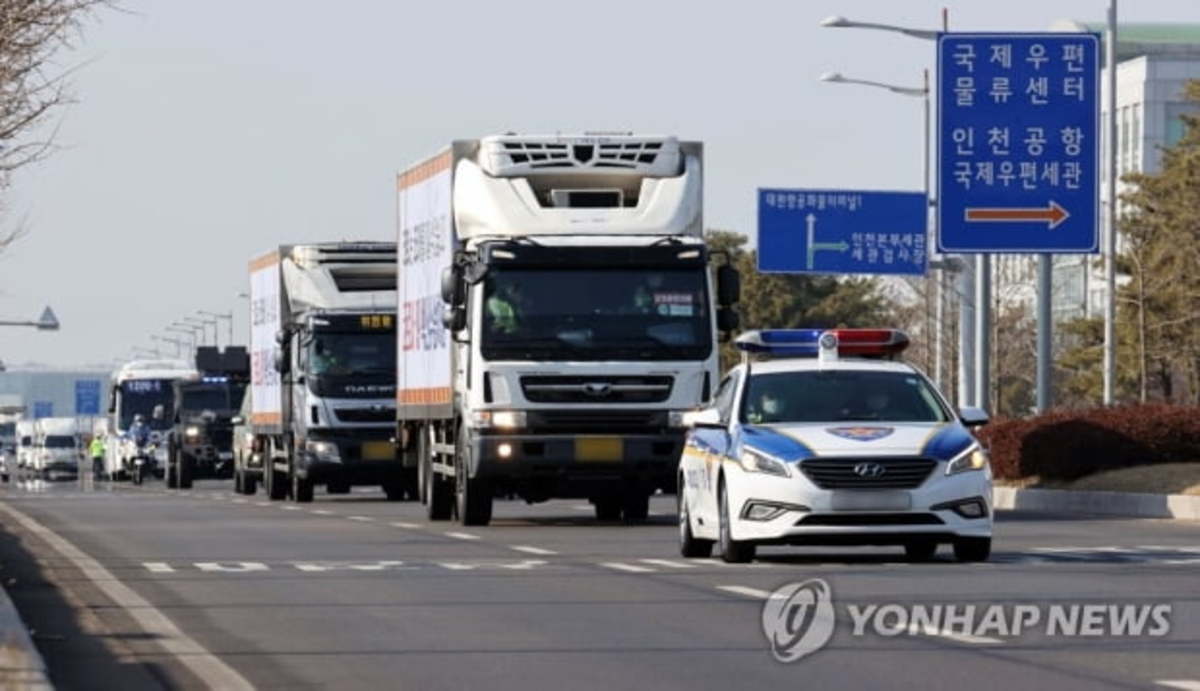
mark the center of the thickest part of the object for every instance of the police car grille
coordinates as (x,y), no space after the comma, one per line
(899,473)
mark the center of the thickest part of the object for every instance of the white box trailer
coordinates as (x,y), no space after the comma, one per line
(322,371)
(558,310)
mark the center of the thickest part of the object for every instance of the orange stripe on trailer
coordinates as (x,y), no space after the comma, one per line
(266,418)
(264,261)
(424,171)
(427,396)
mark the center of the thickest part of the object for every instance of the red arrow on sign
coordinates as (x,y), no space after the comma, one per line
(1053,215)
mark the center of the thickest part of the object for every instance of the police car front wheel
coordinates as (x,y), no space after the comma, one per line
(972,548)
(732,551)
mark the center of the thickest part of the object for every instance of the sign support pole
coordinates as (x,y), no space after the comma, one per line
(983,323)
(1045,325)
(1110,249)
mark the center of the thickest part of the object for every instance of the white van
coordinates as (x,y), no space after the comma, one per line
(56,449)
(25,443)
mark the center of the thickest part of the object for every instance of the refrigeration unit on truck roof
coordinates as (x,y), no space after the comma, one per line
(540,186)
(339,275)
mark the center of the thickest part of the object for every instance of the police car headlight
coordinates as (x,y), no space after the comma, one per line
(323,450)
(755,462)
(974,458)
(192,431)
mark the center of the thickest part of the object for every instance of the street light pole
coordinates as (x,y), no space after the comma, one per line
(219,315)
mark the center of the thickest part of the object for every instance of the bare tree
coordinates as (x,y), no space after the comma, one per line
(32,84)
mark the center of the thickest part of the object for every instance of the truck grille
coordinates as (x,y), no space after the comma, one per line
(365,414)
(596,389)
(221,438)
(597,421)
(839,473)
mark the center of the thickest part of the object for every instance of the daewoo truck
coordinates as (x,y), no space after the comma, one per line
(559,311)
(323,368)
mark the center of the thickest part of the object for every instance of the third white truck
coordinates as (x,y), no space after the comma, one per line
(559,311)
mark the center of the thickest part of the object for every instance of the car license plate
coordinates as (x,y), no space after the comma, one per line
(599,449)
(378,451)
(871,501)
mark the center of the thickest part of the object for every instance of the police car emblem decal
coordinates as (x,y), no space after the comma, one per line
(861,433)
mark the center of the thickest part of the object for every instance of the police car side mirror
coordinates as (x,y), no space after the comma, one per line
(973,417)
(705,417)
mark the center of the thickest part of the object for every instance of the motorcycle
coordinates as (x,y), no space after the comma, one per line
(144,461)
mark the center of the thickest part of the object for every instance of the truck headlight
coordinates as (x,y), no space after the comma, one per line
(192,431)
(676,418)
(323,450)
(974,458)
(499,419)
(755,462)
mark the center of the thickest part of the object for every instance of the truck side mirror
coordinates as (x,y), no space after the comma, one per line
(281,337)
(454,318)
(728,320)
(729,286)
(282,364)
(452,286)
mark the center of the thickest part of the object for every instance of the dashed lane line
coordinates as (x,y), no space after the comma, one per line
(952,636)
(186,650)
(1182,684)
(668,563)
(746,591)
(405,525)
(529,549)
(321,512)
(364,519)
(461,536)
(158,567)
(631,568)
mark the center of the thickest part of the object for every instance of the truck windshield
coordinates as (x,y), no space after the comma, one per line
(840,396)
(140,396)
(596,314)
(8,429)
(59,441)
(206,399)
(340,354)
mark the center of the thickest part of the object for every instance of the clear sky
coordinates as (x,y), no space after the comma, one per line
(207,132)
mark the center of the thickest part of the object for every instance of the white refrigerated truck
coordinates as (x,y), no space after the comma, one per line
(559,311)
(322,370)
(56,447)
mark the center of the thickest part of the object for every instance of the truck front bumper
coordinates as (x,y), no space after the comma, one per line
(575,464)
(368,457)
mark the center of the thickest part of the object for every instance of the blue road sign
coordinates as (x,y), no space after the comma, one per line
(43,409)
(841,232)
(1018,143)
(87,397)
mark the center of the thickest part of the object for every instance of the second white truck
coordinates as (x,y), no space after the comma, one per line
(558,312)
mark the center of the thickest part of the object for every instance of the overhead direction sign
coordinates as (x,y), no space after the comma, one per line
(841,232)
(1018,143)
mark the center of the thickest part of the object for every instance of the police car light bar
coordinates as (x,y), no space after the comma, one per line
(879,343)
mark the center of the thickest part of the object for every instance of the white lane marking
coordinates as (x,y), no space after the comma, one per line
(523,565)
(239,501)
(359,518)
(190,654)
(951,636)
(746,591)
(1183,684)
(668,563)
(321,566)
(231,566)
(528,549)
(402,524)
(631,568)
(289,507)
(262,503)
(461,536)
(158,567)
(321,512)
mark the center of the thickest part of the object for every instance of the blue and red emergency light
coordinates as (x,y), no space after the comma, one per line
(878,343)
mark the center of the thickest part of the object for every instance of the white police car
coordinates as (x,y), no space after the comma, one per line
(821,438)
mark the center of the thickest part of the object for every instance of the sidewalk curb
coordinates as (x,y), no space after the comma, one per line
(1128,504)
(21,665)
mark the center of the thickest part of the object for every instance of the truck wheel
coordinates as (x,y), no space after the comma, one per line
(187,466)
(474,494)
(249,484)
(607,508)
(274,481)
(302,489)
(732,551)
(172,477)
(689,545)
(394,490)
(635,506)
(237,482)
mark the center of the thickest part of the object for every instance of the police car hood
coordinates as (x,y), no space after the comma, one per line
(798,441)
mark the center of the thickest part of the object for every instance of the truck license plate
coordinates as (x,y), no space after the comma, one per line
(378,451)
(599,449)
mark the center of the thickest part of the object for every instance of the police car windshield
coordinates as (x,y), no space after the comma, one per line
(840,396)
